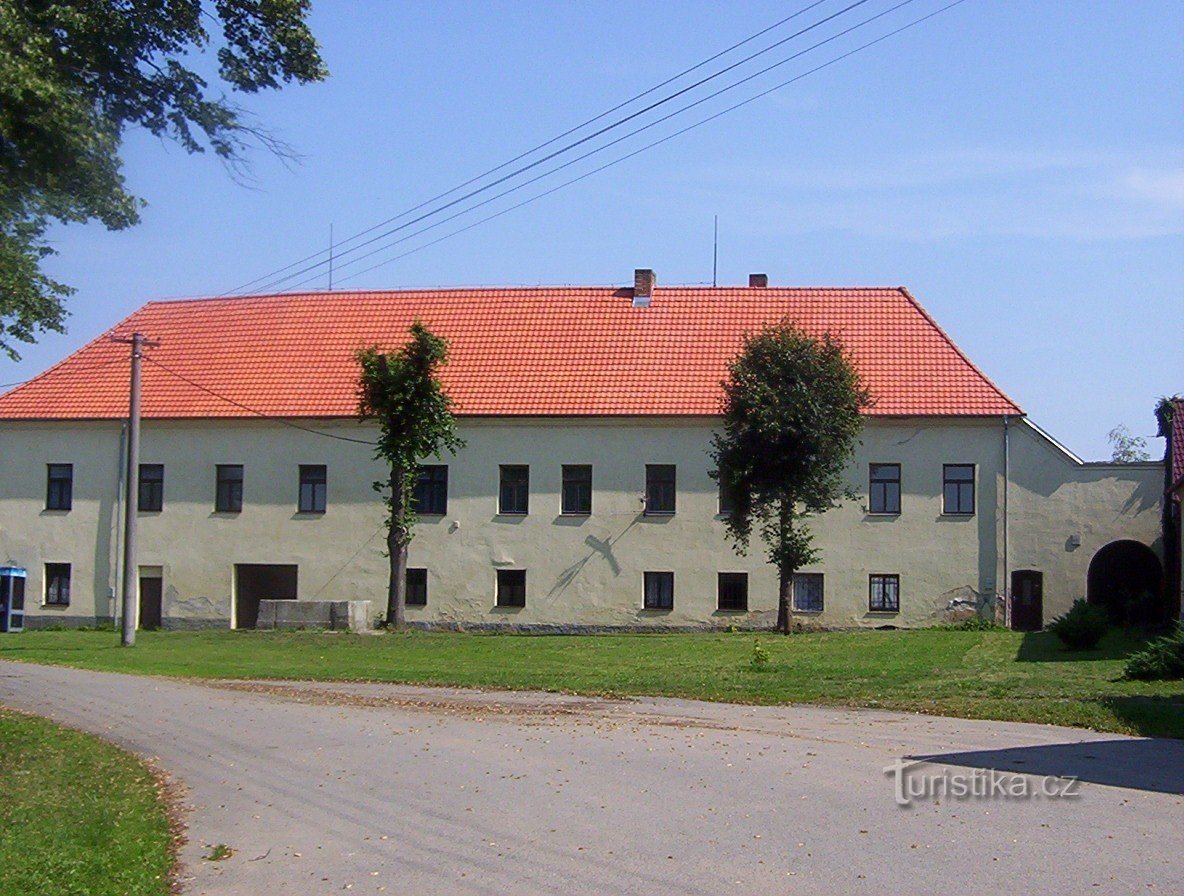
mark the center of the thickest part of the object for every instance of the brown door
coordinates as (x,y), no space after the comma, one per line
(151,611)
(1027,600)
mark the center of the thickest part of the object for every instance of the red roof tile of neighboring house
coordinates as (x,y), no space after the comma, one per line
(1176,445)
(519,351)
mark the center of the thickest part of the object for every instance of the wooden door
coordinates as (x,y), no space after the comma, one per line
(151,609)
(1027,600)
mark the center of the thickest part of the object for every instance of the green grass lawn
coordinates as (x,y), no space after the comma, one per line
(77,815)
(987,675)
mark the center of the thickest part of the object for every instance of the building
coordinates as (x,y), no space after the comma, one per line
(582,498)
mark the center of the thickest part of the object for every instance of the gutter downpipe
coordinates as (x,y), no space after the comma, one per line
(1006,483)
(117,560)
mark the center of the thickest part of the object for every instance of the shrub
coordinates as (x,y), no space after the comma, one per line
(1082,627)
(1161,660)
(760,657)
(973,624)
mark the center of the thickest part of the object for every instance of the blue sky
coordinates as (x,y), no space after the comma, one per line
(1019,166)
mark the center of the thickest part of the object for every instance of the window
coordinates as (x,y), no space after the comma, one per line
(417,587)
(511,587)
(884,594)
(727,501)
(659,591)
(59,491)
(958,488)
(577,489)
(883,488)
(228,494)
(659,488)
(314,487)
(57,584)
(733,591)
(807,592)
(431,490)
(151,491)
(514,493)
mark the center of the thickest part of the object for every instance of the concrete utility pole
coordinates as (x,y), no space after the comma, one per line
(131,490)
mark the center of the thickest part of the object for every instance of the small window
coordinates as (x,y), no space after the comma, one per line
(514,490)
(57,584)
(151,490)
(431,490)
(958,488)
(659,488)
(577,489)
(59,490)
(884,488)
(228,493)
(659,591)
(884,593)
(314,488)
(807,592)
(727,501)
(511,587)
(417,587)
(733,591)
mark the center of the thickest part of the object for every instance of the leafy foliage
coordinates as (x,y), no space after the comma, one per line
(1127,448)
(791,414)
(75,75)
(401,390)
(1161,660)
(973,624)
(1082,627)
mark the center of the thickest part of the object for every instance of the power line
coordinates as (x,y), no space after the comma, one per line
(616,141)
(251,410)
(655,143)
(540,146)
(524,168)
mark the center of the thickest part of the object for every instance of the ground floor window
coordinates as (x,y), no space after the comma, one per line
(884,593)
(733,590)
(511,587)
(57,584)
(417,587)
(659,591)
(807,592)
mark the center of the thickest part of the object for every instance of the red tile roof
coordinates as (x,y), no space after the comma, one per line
(519,351)
(1176,445)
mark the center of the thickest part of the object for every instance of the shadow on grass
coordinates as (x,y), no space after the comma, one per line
(1155,765)
(1045,647)
(1158,716)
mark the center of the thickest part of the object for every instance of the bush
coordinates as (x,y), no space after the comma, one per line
(760,657)
(973,624)
(1082,627)
(1161,660)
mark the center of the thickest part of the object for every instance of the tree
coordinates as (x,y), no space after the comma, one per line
(1128,449)
(791,420)
(75,75)
(414,414)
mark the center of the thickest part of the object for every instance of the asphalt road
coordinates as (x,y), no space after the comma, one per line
(377,788)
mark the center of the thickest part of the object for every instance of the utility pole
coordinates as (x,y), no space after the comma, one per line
(131,489)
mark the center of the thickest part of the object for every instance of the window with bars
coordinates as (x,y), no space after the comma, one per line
(150,494)
(417,587)
(659,591)
(958,488)
(228,488)
(59,487)
(659,488)
(884,593)
(807,592)
(431,490)
(511,587)
(314,488)
(884,488)
(513,489)
(577,489)
(57,584)
(733,591)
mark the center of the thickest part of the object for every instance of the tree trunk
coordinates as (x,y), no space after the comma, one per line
(785,571)
(396,547)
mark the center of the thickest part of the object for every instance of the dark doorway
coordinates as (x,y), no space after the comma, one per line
(254,582)
(151,603)
(1126,579)
(1027,600)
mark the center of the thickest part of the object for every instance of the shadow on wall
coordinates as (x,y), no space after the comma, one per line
(1152,764)
(599,546)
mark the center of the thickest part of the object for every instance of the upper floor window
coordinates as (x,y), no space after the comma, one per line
(884,488)
(727,501)
(733,590)
(807,592)
(416,594)
(228,492)
(431,490)
(59,489)
(514,489)
(659,488)
(57,584)
(150,495)
(577,489)
(659,591)
(958,488)
(314,488)
(511,587)
(884,593)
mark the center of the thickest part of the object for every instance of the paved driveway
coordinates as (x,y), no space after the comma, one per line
(378,788)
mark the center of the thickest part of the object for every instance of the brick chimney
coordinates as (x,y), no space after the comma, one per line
(644,282)
(758,280)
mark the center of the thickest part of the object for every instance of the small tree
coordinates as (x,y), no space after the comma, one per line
(791,419)
(1127,448)
(415,420)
